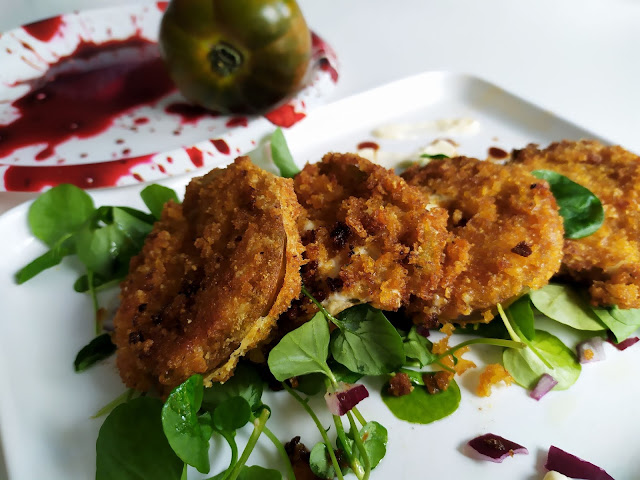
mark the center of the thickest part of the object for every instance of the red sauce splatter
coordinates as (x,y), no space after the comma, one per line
(284,116)
(95,175)
(161,168)
(189,112)
(141,121)
(237,122)
(169,159)
(221,146)
(363,145)
(196,156)
(325,65)
(44,30)
(495,152)
(138,177)
(322,51)
(126,151)
(82,94)
(162,6)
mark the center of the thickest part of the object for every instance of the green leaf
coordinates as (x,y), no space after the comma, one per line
(580,209)
(47,260)
(342,373)
(282,156)
(320,462)
(232,414)
(302,351)
(418,347)
(184,431)
(245,383)
(521,313)
(155,196)
(312,383)
(526,368)
(421,407)
(622,322)
(63,209)
(367,343)
(566,305)
(437,156)
(374,437)
(254,472)
(131,444)
(97,349)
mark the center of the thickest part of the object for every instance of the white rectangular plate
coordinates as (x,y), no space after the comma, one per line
(45,407)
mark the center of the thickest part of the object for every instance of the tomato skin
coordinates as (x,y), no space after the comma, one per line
(236,55)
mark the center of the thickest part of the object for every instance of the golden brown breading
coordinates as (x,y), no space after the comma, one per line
(370,237)
(609,259)
(508,234)
(211,279)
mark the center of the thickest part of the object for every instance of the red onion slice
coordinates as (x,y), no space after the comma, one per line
(590,350)
(623,345)
(345,398)
(495,448)
(423,331)
(574,467)
(544,386)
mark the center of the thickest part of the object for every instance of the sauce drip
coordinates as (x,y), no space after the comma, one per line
(284,116)
(221,146)
(44,30)
(372,145)
(189,112)
(237,122)
(498,153)
(196,156)
(82,94)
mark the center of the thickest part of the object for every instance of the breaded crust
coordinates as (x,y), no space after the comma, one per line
(508,235)
(369,237)
(608,260)
(211,279)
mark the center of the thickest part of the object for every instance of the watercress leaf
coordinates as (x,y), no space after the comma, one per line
(181,425)
(421,407)
(245,383)
(622,322)
(139,214)
(49,259)
(493,329)
(97,349)
(63,209)
(282,156)
(302,351)
(580,209)
(312,384)
(155,196)
(131,444)
(367,343)
(415,376)
(437,156)
(81,285)
(526,368)
(375,438)
(521,313)
(254,472)
(566,305)
(342,373)
(98,249)
(320,462)
(135,229)
(418,347)
(231,414)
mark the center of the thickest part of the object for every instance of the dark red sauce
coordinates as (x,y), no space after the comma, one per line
(189,112)
(363,145)
(322,50)
(44,30)
(82,94)
(162,6)
(96,175)
(221,146)
(284,116)
(238,122)
(495,152)
(141,121)
(196,156)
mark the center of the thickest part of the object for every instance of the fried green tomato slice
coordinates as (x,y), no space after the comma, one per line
(211,279)
(608,261)
(369,237)
(508,235)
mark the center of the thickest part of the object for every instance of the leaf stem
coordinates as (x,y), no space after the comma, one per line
(360,445)
(123,398)
(324,311)
(94,301)
(321,429)
(353,461)
(283,453)
(486,341)
(258,426)
(514,336)
(512,332)
(359,416)
(230,438)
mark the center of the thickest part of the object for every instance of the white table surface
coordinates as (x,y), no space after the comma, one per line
(576,58)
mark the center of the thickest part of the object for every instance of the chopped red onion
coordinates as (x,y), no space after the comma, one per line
(623,345)
(423,331)
(544,386)
(495,448)
(590,350)
(345,398)
(574,467)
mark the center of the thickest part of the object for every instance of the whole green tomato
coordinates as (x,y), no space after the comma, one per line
(240,56)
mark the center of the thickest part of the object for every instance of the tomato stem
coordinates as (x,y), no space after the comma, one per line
(225,59)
